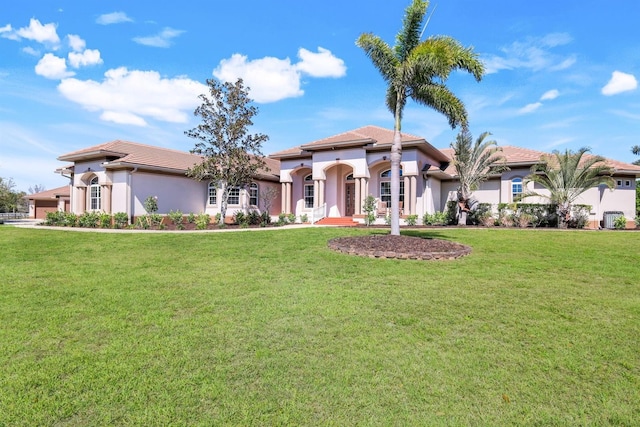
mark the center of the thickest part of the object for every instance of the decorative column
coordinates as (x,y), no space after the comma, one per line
(106,198)
(407,196)
(81,203)
(316,193)
(414,199)
(286,197)
(358,204)
(321,192)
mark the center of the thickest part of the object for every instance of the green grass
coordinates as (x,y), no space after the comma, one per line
(535,327)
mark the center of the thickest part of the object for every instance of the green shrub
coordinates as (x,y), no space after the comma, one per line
(291,218)
(105,220)
(476,216)
(89,220)
(436,218)
(120,219)
(177,218)
(151,204)
(191,218)
(55,219)
(254,217)
(304,218)
(411,219)
(265,219)
(240,219)
(202,221)
(620,223)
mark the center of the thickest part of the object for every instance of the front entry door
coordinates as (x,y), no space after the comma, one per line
(349,199)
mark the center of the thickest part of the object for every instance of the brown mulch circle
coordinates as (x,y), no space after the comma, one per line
(402,247)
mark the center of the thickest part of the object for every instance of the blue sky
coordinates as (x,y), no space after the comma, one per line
(560,74)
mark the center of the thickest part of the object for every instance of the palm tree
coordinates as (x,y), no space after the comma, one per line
(636,150)
(566,175)
(474,164)
(418,69)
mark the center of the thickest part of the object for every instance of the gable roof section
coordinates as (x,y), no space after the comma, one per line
(120,154)
(373,138)
(56,193)
(524,157)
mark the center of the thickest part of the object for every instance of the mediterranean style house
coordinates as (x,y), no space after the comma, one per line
(328,178)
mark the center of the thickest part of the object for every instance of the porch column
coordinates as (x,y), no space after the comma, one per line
(321,192)
(316,193)
(406,207)
(81,203)
(358,204)
(106,198)
(413,199)
(286,197)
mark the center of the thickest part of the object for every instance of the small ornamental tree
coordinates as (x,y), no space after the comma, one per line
(474,164)
(566,175)
(231,156)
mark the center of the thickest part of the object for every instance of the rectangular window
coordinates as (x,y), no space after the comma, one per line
(627,183)
(308,196)
(213,195)
(234,196)
(95,197)
(253,195)
(385,192)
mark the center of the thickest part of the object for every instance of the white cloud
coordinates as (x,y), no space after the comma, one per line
(40,33)
(88,57)
(272,79)
(162,39)
(549,95)
(76,43)
(620,82)
(31,51)
(113,18)
(8,33)
(52,67)
(321,64)
(532,53)
(529,108)
(128,97)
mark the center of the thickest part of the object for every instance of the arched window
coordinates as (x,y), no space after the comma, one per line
(213,194)
(349,177)
(94,195)
(308,191)
(385,187)
(516,189)
(253,194)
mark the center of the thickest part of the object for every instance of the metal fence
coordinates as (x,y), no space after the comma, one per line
(13,215)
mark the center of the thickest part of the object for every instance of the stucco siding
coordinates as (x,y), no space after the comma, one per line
(173,192)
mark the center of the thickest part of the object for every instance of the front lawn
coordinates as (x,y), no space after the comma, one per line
(535,327)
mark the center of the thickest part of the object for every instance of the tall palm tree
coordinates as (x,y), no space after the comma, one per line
(474,164)
(418,69)
(566,175)
(636,150)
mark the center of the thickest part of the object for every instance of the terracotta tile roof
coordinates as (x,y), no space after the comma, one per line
(361,136)
(524,156)
(141,155)
(369,134)
(50,194)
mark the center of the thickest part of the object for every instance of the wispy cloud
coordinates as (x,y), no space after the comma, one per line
(162,39)
(547,96)
(620,82)
(272,79)
(533,53)
(113,18)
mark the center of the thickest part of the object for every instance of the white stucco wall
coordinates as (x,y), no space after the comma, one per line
(173,192)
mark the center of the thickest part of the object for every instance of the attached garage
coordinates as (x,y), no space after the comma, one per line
(48,201)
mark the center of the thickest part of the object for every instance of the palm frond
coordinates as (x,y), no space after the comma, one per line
(380,54)
(409,36)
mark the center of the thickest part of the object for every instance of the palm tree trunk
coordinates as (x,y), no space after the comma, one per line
(396,157)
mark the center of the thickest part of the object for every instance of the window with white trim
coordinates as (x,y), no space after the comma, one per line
(516,189)
(234,196)
(213,194)
(308,191)
(253,194)
(385,187)
(94,195)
